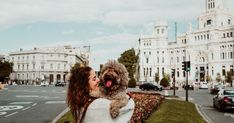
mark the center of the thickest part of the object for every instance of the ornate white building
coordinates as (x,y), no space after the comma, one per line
(209,47)
(50,64)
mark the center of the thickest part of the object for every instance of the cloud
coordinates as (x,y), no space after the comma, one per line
(113,12)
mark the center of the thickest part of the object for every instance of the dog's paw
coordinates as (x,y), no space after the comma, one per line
(114,112)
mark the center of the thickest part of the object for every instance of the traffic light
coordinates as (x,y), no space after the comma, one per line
(172,73)
(188,66)
(184,66)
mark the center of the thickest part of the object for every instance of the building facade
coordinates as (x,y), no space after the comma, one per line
(209,48)
(45,64)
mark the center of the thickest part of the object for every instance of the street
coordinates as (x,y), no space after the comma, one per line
(22,104)
(31,104)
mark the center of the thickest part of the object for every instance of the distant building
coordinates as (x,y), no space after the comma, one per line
(209,47)
(45,64)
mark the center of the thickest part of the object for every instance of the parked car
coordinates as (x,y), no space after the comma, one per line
(172,88)
(203,85)
(224,99)
(190,87)
(44,83)
(216,89)
(148,86)
(160,88)
(60,83)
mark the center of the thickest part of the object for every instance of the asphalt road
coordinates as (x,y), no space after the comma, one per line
(35,104)
(31,104)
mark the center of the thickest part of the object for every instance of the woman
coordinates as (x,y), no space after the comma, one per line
(82,90)
(82,95)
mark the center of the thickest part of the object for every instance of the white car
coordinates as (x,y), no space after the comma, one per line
(203,85)
(44,83)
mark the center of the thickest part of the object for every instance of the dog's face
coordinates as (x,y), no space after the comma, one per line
(111,75)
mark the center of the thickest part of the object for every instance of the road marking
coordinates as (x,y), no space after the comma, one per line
(11,114)
(21,103)
(55,102)
(7,108)
(2,113)
(26,96)
(229,114)
(46,97)
(34,104)
(26,108)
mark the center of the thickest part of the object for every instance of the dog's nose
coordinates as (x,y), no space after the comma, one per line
(108,77)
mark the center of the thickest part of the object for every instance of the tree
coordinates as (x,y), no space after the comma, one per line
(164,82)
(228,78)
(218,77)
(132,83)
(129,59)
(157,77)
(6,69)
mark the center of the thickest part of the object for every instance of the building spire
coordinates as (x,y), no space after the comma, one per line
(214,5)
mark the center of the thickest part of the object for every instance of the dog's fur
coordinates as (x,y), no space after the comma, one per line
(117,93)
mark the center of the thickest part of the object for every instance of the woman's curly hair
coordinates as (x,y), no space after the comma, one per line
(78,90)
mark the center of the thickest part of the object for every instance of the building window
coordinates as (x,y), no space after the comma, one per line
(208,36)
(144,71)
(157,59)
(158,70)
(208,22)
(18,67)
(147,70)
(150,71)
(178,74)
(231,34)
(157,31)
(27,66)
(178,59)
(223,35)
(42,67)
(163,71)
(212,56)
(223,71)
(149,53)
(33,66)
(51,66)
(229,21)
(163,60)
(231,55)
(162,31)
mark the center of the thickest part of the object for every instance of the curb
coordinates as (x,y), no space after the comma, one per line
(60,115)
(203,114)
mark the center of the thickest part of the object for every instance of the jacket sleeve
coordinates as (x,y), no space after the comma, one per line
(98,112)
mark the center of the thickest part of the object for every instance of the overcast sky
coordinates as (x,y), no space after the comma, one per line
(108,26)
